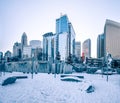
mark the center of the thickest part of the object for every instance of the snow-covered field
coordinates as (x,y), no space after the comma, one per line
(45,88)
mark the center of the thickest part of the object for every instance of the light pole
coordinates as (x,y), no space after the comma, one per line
(32,65)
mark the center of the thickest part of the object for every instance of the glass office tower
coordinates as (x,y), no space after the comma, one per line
(65,37)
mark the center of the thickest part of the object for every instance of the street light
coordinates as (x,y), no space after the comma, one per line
(32,65)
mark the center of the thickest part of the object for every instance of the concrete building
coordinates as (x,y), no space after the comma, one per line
(65,37)
(48,45)
(86,48)
(100,46)
(112,36)
(78,49)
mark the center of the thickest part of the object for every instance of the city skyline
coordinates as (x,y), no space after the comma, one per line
(38,17)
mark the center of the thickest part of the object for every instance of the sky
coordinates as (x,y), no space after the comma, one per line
(37,17)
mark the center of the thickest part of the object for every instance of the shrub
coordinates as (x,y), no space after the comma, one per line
(80,69)
(118,70)
(91,70)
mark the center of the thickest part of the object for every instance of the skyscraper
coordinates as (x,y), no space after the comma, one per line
(62,24)
(78,49)
(87,48)
(24,40)
(100,46)
(65,37)
(48,45)
(112,36)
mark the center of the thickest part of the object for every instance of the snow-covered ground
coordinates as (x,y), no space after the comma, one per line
(45,88)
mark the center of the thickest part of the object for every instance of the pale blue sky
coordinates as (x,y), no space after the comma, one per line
(36,17)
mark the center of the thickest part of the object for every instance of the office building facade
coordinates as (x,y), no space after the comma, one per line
(26,52)
(100,46)
(86,48)
(112,36)
(48,45)
(36,49)
(65,37)
(78,49)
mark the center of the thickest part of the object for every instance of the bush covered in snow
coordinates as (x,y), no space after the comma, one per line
(79,68)
(91,70)
(118,70)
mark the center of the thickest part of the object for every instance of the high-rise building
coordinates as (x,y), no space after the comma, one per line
(63,45)
(48,45)
(86,50)
(78,49)
(65,37)
(100,46)
(112,36)
(17,50)
(24,40)
(62,24)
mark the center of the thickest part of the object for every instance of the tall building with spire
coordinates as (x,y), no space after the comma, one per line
(24,40)
(24,45)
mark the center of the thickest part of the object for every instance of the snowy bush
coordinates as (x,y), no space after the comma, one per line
(91,70)
(118,70)
(79,69)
